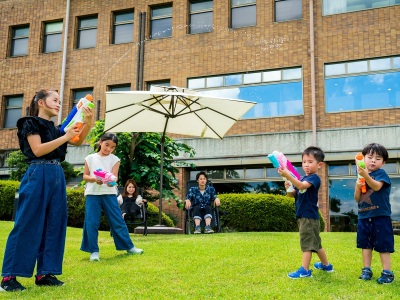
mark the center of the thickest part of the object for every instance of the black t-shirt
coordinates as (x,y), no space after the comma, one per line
(47,131)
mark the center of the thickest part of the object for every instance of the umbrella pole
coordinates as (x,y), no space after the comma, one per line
(161,181)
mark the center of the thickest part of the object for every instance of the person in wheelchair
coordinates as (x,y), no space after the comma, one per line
(130,201)
(200,198)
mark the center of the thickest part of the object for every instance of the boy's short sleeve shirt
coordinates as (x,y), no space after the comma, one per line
(197,198)
(376,203)
(307,200)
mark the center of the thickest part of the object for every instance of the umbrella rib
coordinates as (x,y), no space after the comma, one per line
(121,107)
(108,129)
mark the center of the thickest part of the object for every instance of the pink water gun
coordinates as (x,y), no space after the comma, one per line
(105,177)
(279,160)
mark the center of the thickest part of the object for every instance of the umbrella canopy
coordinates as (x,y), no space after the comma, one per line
(172,110)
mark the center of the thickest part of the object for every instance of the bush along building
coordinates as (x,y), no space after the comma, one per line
(322,72)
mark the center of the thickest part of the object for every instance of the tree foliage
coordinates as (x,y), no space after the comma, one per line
(140,155)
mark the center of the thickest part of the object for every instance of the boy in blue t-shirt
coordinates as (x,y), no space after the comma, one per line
(374,228)
(306,200)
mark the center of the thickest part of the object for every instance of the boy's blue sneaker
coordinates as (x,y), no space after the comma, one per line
(300,273)
(320,266)
(366,274)
(387,277)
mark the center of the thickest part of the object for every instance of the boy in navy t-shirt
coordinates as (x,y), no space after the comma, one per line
(306,201)
(374,228)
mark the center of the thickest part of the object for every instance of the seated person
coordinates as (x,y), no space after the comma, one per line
(130,201)
(201,198)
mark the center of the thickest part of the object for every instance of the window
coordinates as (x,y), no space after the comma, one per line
(286,10)
(161,22)
(13,110)
(157,83)
(52,37)
(201,16)
(81,93)
(123,27)
(19,42)
(331,7)
(243,13)
(356,85)
(277,93)
(119,88)
(343,208)
(87,32)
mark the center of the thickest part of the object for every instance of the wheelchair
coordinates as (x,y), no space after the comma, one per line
(139,219)
(215,220)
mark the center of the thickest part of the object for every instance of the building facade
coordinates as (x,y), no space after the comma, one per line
(322,72)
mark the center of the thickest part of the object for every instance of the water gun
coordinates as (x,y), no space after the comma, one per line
(76,116)
(279,160)
(360,162)
(106,177)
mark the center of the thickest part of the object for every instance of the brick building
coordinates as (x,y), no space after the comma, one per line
(322,72)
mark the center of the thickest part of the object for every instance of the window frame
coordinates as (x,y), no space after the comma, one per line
(80,29)
(14,38)
(199,12)
(44,35)
(121,23)
(161,17)
(7,108)
(246,4)
(287,19)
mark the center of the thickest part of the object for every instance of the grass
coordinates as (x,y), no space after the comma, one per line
(220,266)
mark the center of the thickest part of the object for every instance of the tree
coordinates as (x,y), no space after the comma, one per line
(140,155)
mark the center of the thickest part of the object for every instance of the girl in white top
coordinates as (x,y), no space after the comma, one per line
(103,196)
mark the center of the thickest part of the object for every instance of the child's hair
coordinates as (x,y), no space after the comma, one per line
(201,173)
(33,107)
(378,149)
(316,152)
(135,193)
(107,136)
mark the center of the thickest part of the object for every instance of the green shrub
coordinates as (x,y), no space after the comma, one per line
(7,196)
(259,212)
(76,212)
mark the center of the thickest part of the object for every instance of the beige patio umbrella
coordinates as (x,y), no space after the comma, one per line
(172,110)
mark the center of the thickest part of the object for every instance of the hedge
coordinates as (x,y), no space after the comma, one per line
(259,212)
(7,196)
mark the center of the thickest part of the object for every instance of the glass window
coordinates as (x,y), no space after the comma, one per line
(161,22)
(255,173)
(52,37)
(233,79)
(390,168)
(12,111)
(81,93)
(120,87)
(290,74)
(338,170)
(357,66)
(157,83)
(396,62)
(342,6)
(379,64)
(19,42)
(87,32)
(123,27)
(335,69)
(243,13)
(196,83)
(286,10)
(234,173)
(272,76)
(361,92)
(252,78)
(201,16)
(215,81)
(215,174)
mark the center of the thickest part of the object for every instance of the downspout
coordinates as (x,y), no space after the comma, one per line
(140,56)
(64,60)
(312,66)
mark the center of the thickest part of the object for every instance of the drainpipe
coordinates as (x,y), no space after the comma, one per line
(312,66)
(64,60)
(140,57)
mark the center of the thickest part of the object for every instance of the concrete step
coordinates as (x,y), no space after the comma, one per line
(158,230)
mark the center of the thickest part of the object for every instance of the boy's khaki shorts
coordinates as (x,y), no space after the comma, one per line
(309,234)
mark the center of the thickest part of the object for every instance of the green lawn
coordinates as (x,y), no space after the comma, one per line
(218,266)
